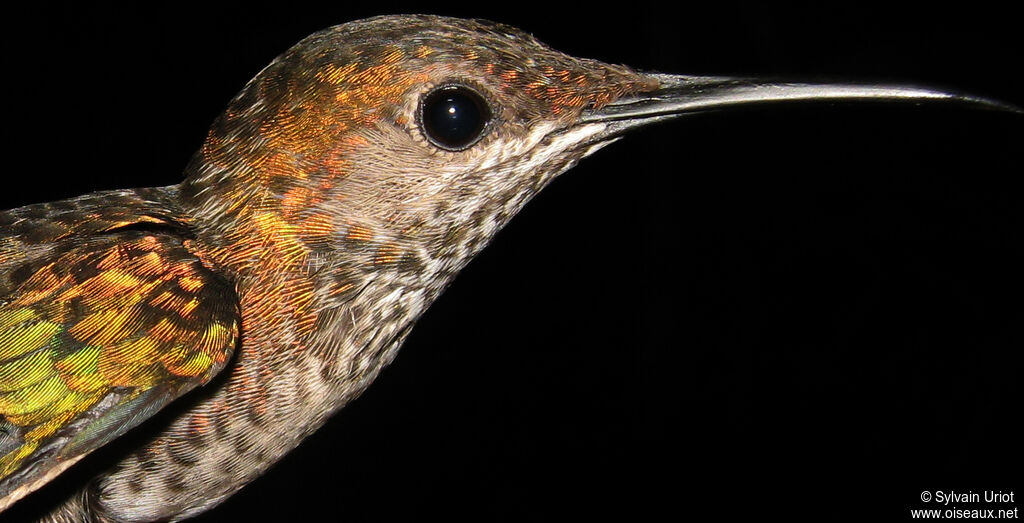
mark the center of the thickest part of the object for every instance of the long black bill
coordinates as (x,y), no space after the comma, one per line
(681,94)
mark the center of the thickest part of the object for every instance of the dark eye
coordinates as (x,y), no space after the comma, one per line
(454,117)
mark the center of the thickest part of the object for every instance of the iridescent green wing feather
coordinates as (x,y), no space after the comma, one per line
(97,335)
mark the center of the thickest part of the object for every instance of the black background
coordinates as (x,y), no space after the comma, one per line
(803,312)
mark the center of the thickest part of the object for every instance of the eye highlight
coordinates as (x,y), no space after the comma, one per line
(454,117)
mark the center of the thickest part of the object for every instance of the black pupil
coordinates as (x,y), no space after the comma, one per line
(453,117)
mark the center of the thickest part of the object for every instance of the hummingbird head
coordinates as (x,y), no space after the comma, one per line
(413,139)
(421,132)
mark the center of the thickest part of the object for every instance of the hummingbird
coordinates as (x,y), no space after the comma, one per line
(331,203)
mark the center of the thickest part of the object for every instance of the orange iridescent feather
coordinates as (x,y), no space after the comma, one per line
(101,334)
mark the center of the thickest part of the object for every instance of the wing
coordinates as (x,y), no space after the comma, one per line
(98,333)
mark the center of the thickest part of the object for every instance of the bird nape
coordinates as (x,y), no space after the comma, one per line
(332,202)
